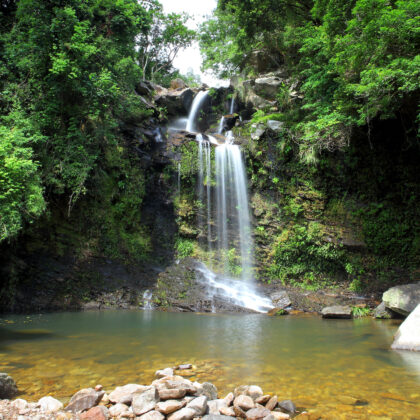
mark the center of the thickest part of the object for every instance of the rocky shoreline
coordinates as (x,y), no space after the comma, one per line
(169,397)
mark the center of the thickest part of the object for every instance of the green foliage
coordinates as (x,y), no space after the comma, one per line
(184,247)
(359,311)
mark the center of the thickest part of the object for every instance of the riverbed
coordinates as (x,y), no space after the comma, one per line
(319,364)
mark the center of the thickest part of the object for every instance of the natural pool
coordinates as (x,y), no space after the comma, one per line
(316,363)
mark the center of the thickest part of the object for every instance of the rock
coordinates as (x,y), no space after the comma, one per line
(336,312)
(408,334)
(254,391)
(382,312)
(181,384)
(280,416)
(229,399)
(257,131)
(178,84)
(244,402)
(239,412)
(169,406)
(215,406)
(209,390)
(152,415)
(183,414)
(272,403)
(96,413)
(50,404)
(144,88)
(20,404)
(227,411)
(84,400)
(216,417)
(240,390)
(287,405)
(124,394)
(98,388)
(185,366)
(146,401)
(269,417)
(8,388)
(275,125)
(117,409)
(402,299)
(263,399)
(177,102)
(277,312)
(171,394)
(349,400)
(257,413)
(267,87)
(199,405)
(164,372)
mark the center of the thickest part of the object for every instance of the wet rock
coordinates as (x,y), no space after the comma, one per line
(244,402)
(272,403)
(8,388)
(171,394)
(263,399)
(170,406)
(199,405)
(277,312)
(229,399)
(402,299)
(408,334)
(84,400)
(349,400)
(146,401)
(183,414)
(50,404)
(124,394)
(152,415)
(336,312)
(287,405)
(96,413)
(227,411)
(257,413)
(382,312)
(177,102)
(164,372)
(117,409)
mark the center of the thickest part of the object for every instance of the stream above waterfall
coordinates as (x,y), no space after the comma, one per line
(315,362)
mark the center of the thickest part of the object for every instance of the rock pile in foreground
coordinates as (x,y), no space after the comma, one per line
(169,397)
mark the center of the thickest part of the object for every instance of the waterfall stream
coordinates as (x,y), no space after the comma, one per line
(227,207)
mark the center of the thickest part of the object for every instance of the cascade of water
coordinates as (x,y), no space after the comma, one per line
(158,135)
(221,124)
(232,106)
(208,190)
(195,109)
(147,299)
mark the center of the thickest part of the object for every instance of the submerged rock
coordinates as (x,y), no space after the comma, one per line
(8,388)
(336,312)
(408,335)
(402,299)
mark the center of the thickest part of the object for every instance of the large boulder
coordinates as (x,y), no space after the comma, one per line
(8,388)
(145,402)
(336,312)
(408,335)
(177,102)
(267,87)
(50,404)
(382,312)
(280,299)
(402,299)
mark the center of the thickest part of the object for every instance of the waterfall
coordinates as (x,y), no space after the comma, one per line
(208,190)
(232,106)
(147,299)
(195,109)
(232,204)
(221,125)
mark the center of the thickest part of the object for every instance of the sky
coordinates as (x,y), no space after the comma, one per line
(190,58)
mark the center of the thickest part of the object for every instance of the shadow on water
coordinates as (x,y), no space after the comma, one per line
(7,336)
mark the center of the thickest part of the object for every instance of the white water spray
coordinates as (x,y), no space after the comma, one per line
(195,109)
(147,299)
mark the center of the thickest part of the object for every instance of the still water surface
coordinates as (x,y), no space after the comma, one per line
(316,363)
